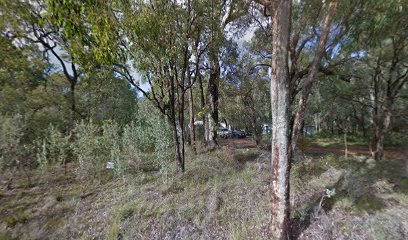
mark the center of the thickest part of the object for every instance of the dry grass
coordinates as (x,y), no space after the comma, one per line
(219,197)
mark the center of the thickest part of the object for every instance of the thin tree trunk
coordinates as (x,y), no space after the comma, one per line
(175,123)
(363,128)
(206,124)
(345,146)
(204,116)
(181,131)
(191,97)
(380,128)
(255,130)
(311,78)
(209,130)
(191,123)
(280,188)
(332,126)
(377,154)
(73,106)
(177,144)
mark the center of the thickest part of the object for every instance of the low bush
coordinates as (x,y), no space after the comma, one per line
(53,148)
(141,145)
(11,135)
(323,134)
(144,144)
(353,138)
(89,150)
(147,141)
(398,139)
(14,219)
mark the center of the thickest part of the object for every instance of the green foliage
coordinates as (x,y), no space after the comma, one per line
(110,143)
(88,149)
(113,231)
(245,94)
(79,18)
(130,152)
(368,203)
(112,100)
(122,213)
(126,211)
(21,86)
(16,218)
(41,153)
(323,134)
(54,148)
(396,139)
(353,138)
(3,235)
(304,143)
(143,144)
(94,146)
(148,139)
(11,135)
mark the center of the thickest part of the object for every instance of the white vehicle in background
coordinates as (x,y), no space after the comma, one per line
(224,132)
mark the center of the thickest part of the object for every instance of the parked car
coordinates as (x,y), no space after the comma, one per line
(224,132)
(238,134)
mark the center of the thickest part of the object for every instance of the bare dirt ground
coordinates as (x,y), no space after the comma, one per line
(238,142)
(389,152)
(399,153)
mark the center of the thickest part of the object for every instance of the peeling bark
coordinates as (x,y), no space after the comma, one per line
(280,189)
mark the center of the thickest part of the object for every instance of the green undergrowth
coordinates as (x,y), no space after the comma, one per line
(394,139)
(337,140)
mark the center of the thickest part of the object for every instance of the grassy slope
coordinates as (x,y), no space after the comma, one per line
(222,195)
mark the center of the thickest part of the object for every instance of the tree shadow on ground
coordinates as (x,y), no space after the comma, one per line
(302,221)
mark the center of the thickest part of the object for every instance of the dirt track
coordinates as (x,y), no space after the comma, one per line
(389,152)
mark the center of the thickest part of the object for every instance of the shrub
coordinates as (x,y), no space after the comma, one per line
(144,144)
(54,148)
(16,218)
(396,139)
(352,138)
(111,144)
(323,134)
(147,142)
(94,146)
(11,134)
(130,154)
(41,152)
(88,149)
